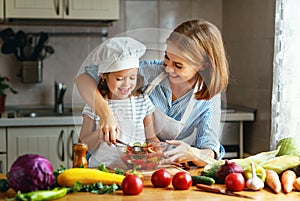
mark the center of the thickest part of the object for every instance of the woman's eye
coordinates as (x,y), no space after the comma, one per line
(119,79)
(132,78)
(179,66)
(166,57)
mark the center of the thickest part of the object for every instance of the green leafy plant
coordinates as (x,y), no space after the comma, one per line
(4,86)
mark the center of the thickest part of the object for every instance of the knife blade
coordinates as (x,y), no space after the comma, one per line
(213,189)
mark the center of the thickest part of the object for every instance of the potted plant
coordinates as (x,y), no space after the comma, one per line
(4,87)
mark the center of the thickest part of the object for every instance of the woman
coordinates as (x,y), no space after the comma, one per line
(185,88)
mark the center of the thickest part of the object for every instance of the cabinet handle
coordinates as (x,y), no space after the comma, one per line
(67,7)
(62,137)
(1,168)
(56,4)
(73,142)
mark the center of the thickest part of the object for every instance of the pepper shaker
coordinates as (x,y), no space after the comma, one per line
(80,150)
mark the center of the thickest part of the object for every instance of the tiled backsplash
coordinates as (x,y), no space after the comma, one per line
(70,51)
(247,28)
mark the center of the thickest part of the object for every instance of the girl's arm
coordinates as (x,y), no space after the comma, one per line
(149,129)
(89,135)
(87,88)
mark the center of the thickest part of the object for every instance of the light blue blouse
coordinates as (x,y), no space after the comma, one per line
(206,115)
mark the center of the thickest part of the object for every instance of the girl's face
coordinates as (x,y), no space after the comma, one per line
(121,83)
(178,68)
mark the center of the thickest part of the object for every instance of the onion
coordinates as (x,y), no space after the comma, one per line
(227,168)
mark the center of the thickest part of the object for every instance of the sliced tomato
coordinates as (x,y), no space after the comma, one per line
(149,166)
(138,162)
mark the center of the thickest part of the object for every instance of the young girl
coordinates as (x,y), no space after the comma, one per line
(118,62)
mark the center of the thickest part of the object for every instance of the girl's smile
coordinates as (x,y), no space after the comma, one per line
(121,83)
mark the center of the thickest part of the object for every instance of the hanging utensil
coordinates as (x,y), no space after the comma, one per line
(39,46)
(7,34)
(11,46)
(213,189)
(46,49)
(21,40)
(28,49)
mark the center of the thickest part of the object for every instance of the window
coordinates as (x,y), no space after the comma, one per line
(286,72)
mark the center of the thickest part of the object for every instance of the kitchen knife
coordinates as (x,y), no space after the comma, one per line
(220,191)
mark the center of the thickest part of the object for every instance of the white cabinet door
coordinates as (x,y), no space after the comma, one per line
(54,143)
(2,150)
(92,10)
(2,140)
(63,9)
(73,136)
(3,163)
(1,10)
(35,9)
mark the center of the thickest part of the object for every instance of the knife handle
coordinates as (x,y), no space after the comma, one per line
(210,188)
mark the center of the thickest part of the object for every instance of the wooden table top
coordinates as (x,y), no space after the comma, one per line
(150,193)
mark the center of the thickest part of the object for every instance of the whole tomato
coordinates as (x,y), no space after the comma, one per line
(235,181)
(132,185)
(136,173)
(182,181)
(161,178)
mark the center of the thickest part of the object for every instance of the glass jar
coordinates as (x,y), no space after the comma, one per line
(80,151)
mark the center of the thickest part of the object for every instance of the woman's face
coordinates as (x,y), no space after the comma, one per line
(121,83)
(178,68)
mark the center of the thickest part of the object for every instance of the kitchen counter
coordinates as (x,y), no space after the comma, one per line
(150,193)
(41,121)
(237,115)
(10,122)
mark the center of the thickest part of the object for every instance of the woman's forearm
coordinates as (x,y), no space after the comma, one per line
(88,91)
(88,133)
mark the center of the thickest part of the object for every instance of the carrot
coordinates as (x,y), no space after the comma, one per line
(297,184)
(288,179)
(273,181)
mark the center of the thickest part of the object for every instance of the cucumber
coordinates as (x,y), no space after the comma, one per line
(212,172)
(202,180)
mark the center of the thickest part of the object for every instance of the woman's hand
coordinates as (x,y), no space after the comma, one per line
(183,153)
(110,129)
(180,154)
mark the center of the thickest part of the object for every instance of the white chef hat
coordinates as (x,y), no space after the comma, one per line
(119,53)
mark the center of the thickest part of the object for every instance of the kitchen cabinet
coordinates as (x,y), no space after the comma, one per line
(232,136)
(1,10)
(54,143)
(230,139)
(2,150)
(62,9)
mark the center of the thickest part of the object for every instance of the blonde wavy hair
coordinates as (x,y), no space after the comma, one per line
(202,45)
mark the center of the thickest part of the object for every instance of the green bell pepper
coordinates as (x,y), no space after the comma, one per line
(42,194)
